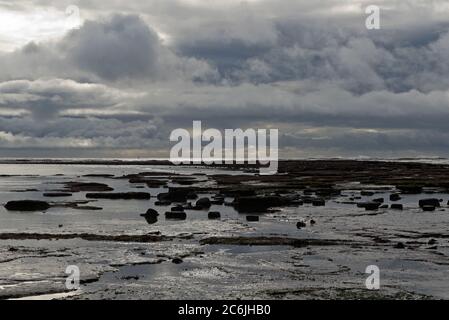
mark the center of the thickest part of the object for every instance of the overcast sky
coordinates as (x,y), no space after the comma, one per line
(116,80)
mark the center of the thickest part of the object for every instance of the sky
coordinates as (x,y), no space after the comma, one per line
(114,78)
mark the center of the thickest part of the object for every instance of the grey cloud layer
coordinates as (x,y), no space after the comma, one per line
(309,68)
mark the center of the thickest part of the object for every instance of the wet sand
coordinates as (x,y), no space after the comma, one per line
(308,232)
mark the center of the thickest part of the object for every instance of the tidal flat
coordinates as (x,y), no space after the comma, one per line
(151,230)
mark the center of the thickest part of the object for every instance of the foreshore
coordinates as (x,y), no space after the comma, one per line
(224,232)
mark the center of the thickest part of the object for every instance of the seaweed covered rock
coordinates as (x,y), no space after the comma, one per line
(429,202)
(369,206)
(87,186)
(214,215)
(27,205)
(203,203)
(175,215)
(120,196)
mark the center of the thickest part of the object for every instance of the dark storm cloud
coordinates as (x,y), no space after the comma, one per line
(134,71)
(123,47)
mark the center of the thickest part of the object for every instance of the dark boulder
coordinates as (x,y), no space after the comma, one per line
(120,196)
(429,202)
(162,203)
(395,197)
(27,205)
(175,215)
(318,202)
(428,208)
(379,200)
(397,206)
(409,189)
(151,213)
(203,203)
(300,224)
(399,245)
(87,187)
(328,192)
(369,205)
(366,193)
(150,219)
(177,260)
(307,200)
(217,200)
(384,206)
(177,195)
(191,195)
(57,195)
(214,215)
(177,209)
(240,192)
(252,218)
(308,192)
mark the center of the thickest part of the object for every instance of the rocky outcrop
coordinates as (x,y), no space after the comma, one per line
(87,187)
(120,196)
(27,205)
(429,202)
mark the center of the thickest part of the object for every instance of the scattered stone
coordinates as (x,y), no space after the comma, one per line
(409,189)
(162,203)
(91,208)
(214,215)
(25,190)
(307,200)
(120,196)
(177,260)
(428,208)
(179,194)
(217,200)
(399,245)
(203,203)
(177,209)
(379,200)
(100,175)
(429,202)
(395,197)
(175,215)
(87,187)
(397,206)
(252,218)
(56,195)
(300,224)
(191,195)
(432,241)
(151,213)
(318,202)
(27,205)
(150,219)
(369,206)
(384,206)
(312,222)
